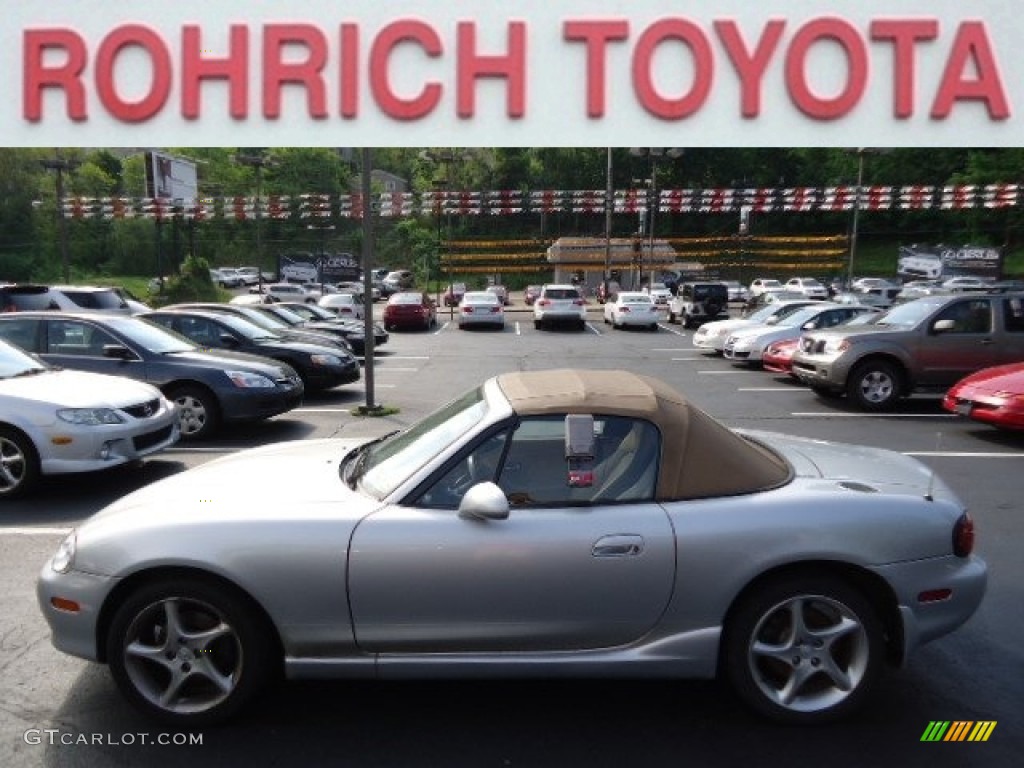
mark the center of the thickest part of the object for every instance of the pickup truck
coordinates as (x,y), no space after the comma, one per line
(926,344)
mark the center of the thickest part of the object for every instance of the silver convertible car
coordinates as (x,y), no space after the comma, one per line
(549,523)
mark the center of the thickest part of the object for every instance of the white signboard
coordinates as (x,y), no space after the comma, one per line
(487,73)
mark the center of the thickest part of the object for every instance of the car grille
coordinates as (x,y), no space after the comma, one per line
(144,410)
(148,440)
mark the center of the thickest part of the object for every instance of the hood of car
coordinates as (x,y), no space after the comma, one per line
(280,480)
(77,389)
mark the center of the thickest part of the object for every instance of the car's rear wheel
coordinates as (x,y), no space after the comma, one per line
(197,411)
(19,463)
(874,385)
(804,650)
(188,651)
(672,317)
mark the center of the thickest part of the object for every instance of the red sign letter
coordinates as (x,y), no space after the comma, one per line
(693,37)
(276,72)
(836,31)
(159,90)
(380,52)
(66,76)
(471,66)
(904,35)
(596,35)
(234,68)
(750,68)
(971,44)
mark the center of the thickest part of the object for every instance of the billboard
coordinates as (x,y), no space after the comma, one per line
(171,178)
(934,262)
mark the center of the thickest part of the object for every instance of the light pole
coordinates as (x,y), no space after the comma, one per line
(609,203)
(656,154)
(860,152)
(60,165)
(445,157)
(258,162)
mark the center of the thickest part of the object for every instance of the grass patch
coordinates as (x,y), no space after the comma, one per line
(375,411)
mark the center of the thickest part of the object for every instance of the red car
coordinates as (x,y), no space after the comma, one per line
(409,309)
(454,293)
(992,395)
(778,356)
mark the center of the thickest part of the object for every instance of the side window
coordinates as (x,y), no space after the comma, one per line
(478,465)
(535,473)
(71,337)
(969,316)
(200,330)
(21,332)
(1013,315)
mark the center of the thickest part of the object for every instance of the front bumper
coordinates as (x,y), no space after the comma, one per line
(73,633)
(821,371)
(121,443)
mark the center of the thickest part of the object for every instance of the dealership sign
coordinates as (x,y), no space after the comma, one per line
(484,73)
(933,262)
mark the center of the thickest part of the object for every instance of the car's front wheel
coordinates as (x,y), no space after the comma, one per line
(19,463)
(804,650)
(874,385)
(188,651)
(197,411)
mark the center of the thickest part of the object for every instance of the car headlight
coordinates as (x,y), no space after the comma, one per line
(835,346)
(64,557)
(325,360)
(90,416)
(247,380)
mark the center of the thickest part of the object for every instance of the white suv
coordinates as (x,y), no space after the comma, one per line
(293,292)
(808,286)
(560,304)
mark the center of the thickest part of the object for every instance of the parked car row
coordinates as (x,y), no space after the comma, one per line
(967,346)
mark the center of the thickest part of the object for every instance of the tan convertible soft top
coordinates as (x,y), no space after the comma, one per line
(699,457)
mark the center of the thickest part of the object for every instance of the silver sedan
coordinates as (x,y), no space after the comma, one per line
(547,523)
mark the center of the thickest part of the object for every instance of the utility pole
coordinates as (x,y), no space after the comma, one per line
(60,165)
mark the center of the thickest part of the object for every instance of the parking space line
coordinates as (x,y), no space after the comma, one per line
(771,389)
(320,410)
(518,330)
(34,531)
(594,329)
(967,454)
(680,334)
(841,415)
(443,326)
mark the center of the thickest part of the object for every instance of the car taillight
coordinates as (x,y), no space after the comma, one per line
(963,535)
(495,310)
(543,302)
(623,309)
(467,310)
(577,302)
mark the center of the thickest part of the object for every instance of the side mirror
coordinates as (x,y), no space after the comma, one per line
(773,320)
(484,501)
(117,351)
(942,326)
(229,341)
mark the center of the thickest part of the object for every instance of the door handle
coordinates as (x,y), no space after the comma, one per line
(618,545)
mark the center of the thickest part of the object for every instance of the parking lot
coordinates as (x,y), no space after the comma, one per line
(973,674)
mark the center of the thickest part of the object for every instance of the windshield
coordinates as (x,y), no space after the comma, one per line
(910,314)
(801,316)
(387,464)
(245,328)
(14,362)
(285,315)
(150,336)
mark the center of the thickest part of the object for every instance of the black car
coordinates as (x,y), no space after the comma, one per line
(270,322)
(320,367)
(210,387)
(317,318)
